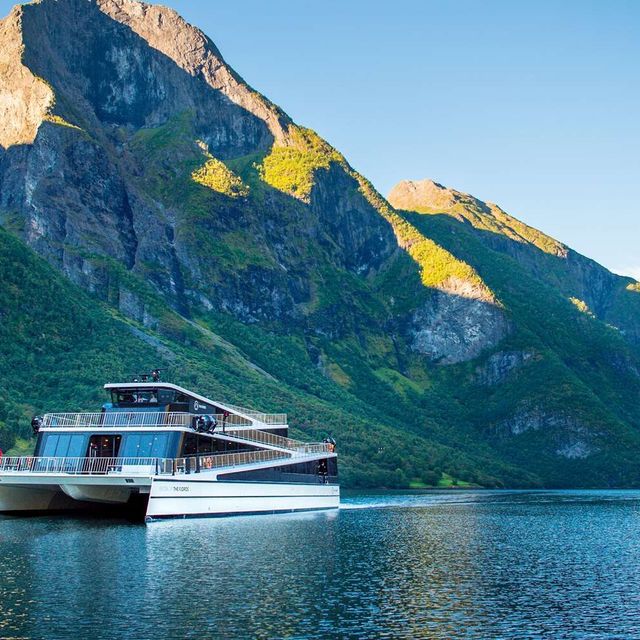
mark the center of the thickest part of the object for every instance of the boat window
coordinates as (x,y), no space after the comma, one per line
(103,446)
(145,445)
(194,443)
(134,397)
(49,449)
(190,445)
(131,445)
(159,446)
(64,445)
(166,396)
(77,446)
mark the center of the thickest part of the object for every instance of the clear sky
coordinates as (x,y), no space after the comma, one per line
(532,104)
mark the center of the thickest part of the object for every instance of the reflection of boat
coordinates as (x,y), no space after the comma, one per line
(165,452)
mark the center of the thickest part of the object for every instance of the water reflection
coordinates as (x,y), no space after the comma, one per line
(450,565)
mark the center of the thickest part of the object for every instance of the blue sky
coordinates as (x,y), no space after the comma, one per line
(533,105)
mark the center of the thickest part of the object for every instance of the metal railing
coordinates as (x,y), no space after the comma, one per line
(117,419)
(86,466)
(137,419)
(205,462)
(271,439)
(135,466)
(263,437)
(265,418)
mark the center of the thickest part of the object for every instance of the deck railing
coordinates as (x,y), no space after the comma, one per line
(140,419)
(135,466)
(271,439)
(266,418)
(87,466)
(204,462)
(111,419)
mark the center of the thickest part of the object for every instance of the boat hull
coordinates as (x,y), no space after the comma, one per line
(195,498)
(36,499)
(34,493)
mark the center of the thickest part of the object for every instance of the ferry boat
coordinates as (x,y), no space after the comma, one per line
(157,450)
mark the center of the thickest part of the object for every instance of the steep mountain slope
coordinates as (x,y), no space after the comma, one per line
(58,345)
(200,217)
(568,373)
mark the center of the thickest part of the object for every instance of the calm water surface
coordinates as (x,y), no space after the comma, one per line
(421,565)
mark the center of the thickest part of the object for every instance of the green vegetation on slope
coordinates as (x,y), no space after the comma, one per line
(59,355)
(292,168)
(215,175)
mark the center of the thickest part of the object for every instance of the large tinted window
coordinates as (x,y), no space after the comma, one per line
(159,445)
(145,445)
(65,445)
(49,449)
(77,446)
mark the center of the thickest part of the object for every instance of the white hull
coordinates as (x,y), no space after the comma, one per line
(184,498)
(58,492)
(169,497)
(26,498)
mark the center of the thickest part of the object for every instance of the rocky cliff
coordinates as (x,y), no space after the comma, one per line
(436,337)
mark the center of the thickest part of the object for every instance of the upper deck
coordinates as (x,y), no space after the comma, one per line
(173,399)
(153,420)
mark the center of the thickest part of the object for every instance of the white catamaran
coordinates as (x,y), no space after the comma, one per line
(158,451)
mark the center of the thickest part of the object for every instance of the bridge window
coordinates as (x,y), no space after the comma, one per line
(133,397)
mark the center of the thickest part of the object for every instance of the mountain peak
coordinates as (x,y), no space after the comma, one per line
(129,62)
(429,196)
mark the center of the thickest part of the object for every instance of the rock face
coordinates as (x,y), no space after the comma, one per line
(568,437)
(96,78)
(499,366)
(457,325)
(138,163)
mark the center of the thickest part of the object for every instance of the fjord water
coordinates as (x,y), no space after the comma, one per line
(420,565)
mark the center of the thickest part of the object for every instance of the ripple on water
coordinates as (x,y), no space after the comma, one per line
(419,565)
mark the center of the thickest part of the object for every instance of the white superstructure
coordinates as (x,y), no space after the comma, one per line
(162,451)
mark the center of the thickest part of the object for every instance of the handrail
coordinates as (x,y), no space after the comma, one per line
(263,437)
(117,419)
(265,418)
(134,466)
(271,439)
(217,460)
(83,466)
(135,418)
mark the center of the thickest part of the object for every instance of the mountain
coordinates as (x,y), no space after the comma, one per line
(158,211)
